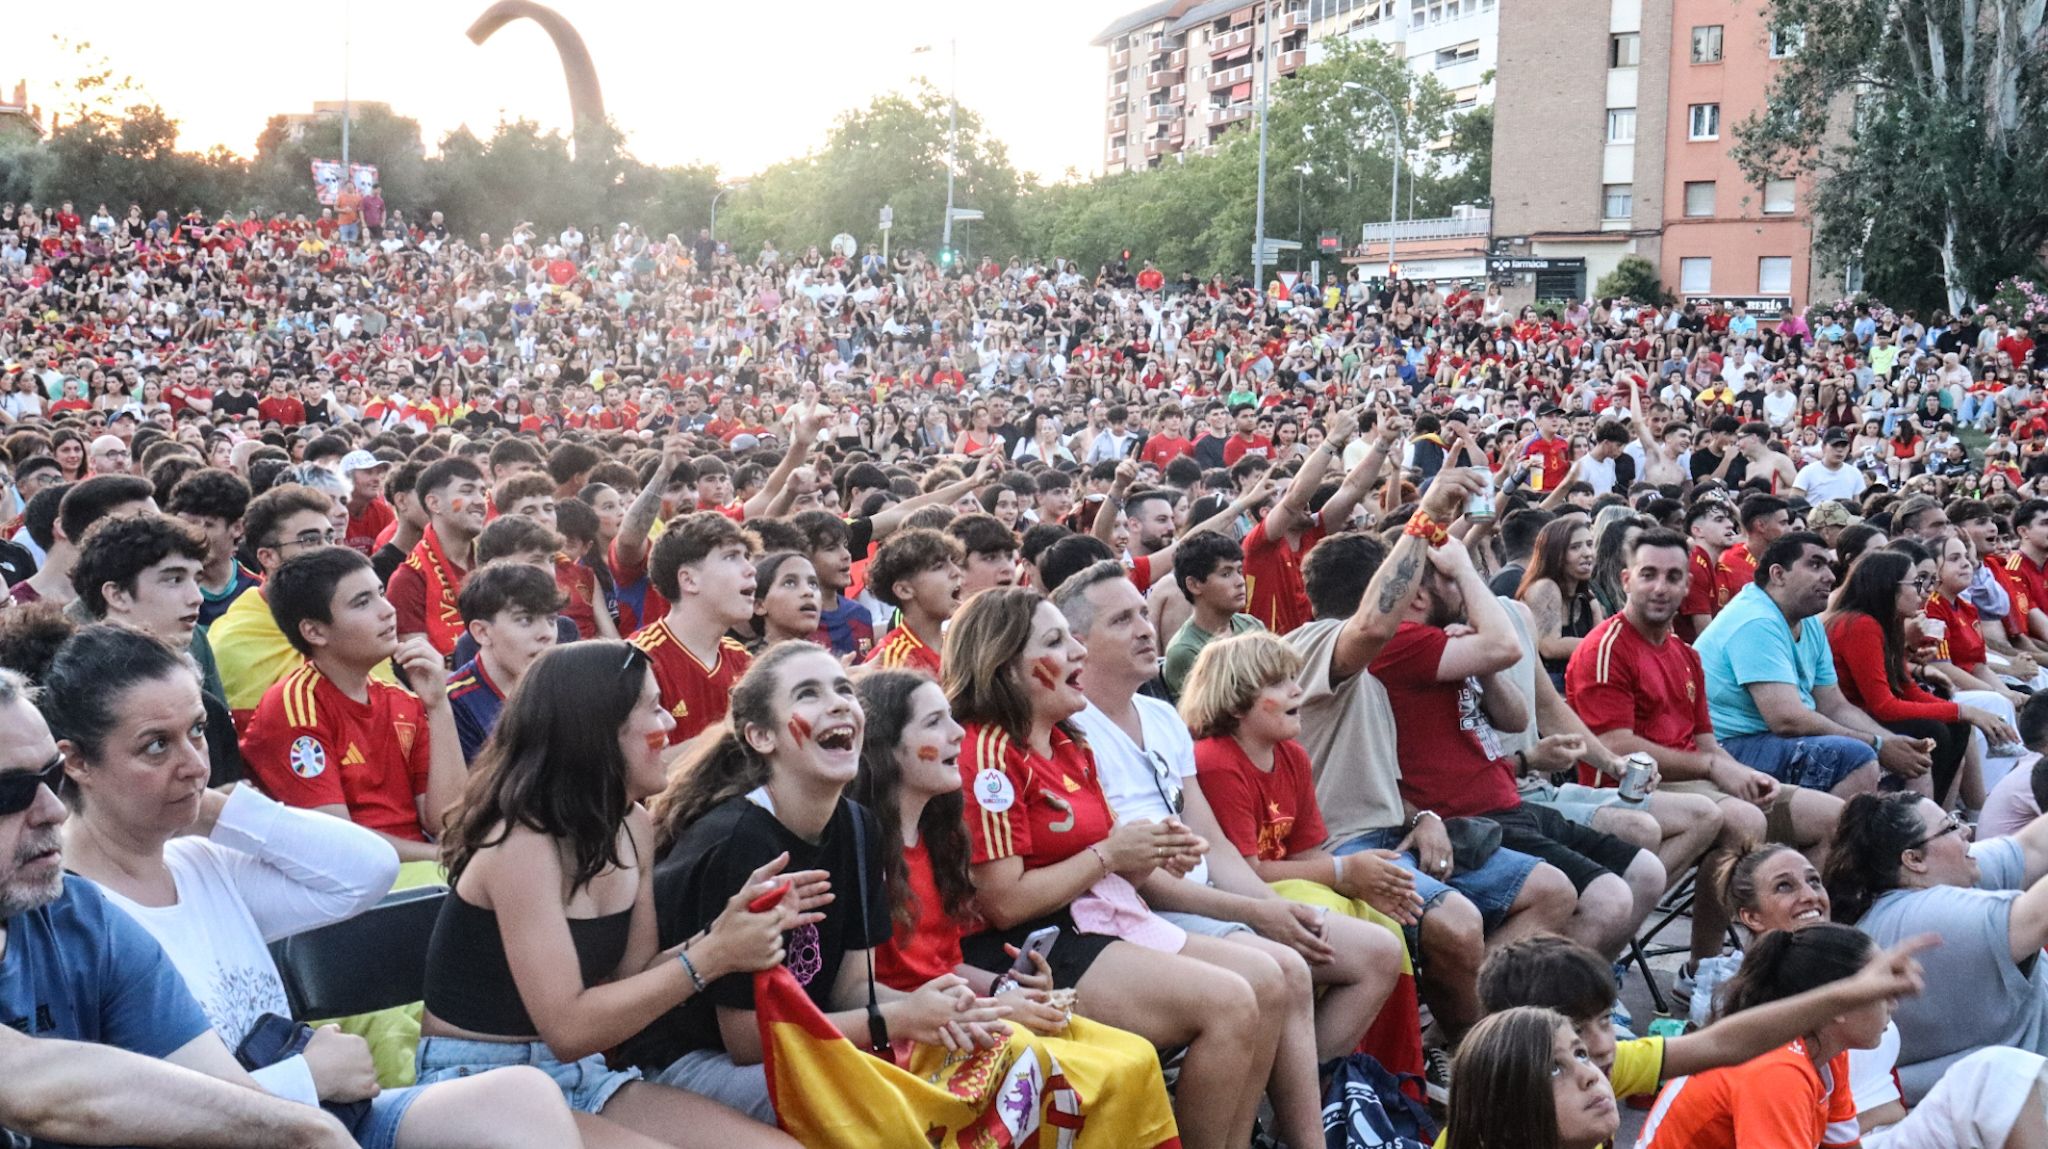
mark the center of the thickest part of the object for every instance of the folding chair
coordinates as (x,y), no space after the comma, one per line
(375,960)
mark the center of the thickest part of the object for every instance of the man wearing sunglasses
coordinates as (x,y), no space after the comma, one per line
(73,970)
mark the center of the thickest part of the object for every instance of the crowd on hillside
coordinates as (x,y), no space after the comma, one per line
(1076,680)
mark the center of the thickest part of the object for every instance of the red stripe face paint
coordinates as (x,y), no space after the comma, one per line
(1047,671)
(657,741)
(799,730)
(928,754)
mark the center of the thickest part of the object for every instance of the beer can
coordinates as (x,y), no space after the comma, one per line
(1480,505)
(1635,781)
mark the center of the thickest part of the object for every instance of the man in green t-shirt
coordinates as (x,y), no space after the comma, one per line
(1209,567)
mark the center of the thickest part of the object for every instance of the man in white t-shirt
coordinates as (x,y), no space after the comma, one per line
(1831,477)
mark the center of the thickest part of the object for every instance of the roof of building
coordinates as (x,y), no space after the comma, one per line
(1203,13)
(1149,14)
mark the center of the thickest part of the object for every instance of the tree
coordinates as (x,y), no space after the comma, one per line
(1635,278)
(1921,123)
(281,175)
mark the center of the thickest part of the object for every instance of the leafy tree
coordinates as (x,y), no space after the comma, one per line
(1921,122)
(1634,277)
(281,177)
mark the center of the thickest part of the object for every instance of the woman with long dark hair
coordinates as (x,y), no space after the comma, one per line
(1866,626)
(1558,586)
(1902,866)
(1525,1081)
(1797,1096)
(516,976)
(910,779)
(1046,851)
(215,876)
(773,781)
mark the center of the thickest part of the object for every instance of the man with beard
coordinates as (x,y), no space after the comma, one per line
(75,970)
(1771,688)
(1450,694)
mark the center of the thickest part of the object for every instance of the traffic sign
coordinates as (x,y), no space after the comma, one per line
(888,217)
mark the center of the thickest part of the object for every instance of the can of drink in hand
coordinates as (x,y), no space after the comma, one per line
(1480,505)
(1635,781)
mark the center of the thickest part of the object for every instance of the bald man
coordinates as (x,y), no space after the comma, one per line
(108,455)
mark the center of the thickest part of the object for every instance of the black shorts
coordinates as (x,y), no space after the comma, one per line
(1071,955)
(1581,852)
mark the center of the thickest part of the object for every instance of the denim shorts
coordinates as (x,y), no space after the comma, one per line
(1492,888)
(379,1130)
(586,1083)
(1819,762)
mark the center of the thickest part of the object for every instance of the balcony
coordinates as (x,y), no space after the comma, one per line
(1118,124)
(1228,77)
(1447,227)
(1119,59)
(1229,113)
(1120,89)
(1159,146)
(1163,78)
(1116,156)
(1178,94)
(1178,58)
(1296,21)
(1287,62)
(1231,41)
(1154,113)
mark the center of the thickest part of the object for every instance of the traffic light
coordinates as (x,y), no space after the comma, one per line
(945,257)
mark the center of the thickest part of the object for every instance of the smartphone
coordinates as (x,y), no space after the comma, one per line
(1040,942)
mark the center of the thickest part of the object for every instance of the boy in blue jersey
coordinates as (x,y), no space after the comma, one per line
(509,610)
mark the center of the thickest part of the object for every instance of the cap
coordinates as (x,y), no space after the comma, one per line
(1832,513)
(360,461)
(744,443)
(1838,435)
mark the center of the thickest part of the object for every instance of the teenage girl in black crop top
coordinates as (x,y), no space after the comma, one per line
(545,953)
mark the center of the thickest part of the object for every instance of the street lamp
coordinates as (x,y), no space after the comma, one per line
(1394,197)
(720,194)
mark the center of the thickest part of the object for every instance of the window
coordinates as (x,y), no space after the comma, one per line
(1706,122)
(1617,201)
(1621,125)
(1780,197)
(1774,275)
(1457,54)
(1706,44)
(1465,99)
(1696,275)
(1699,198)
(1787,41)
(1624,50)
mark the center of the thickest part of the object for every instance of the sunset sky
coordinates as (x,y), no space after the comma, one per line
(741,85)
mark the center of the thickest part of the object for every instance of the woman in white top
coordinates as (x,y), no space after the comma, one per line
(216,877)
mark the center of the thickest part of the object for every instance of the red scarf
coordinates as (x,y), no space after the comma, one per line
(444,621)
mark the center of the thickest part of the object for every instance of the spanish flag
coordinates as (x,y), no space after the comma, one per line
(1096,1087)
(1395,1039)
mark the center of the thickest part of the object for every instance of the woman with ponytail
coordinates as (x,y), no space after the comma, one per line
(518,977)
(1902,866)
(1797,1096)
(773,782)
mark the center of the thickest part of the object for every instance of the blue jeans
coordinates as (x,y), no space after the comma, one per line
(348,232)
(586,1083)
(1819,762)
(1492,887)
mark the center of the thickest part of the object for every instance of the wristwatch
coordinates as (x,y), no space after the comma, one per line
(1877,743)
(1420,815)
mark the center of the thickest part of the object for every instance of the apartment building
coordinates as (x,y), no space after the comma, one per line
(1613,139)
(1183,72)
(1456,42)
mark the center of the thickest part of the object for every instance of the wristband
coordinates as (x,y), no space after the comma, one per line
(1096,850)
(1427,529)
(696,979)
(1002,985)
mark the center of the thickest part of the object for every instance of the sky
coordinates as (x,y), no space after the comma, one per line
(739,85)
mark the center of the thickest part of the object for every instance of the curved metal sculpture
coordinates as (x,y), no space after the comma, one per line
(586,100)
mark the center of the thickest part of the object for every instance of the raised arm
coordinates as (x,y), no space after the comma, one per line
(888,521)
(631,543)
(1393,586)
(771,487)
(1292,508)
(1359,479)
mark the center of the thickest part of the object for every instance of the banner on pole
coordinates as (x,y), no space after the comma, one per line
(327,179)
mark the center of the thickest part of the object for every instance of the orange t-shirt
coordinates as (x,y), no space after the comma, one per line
(1777,1101)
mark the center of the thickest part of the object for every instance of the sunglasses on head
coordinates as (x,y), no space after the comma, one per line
(18,790)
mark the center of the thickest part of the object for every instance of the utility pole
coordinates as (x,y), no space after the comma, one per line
(952,139)
(347,47)
(1265,12)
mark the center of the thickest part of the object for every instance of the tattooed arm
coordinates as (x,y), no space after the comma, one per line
(631,544)
(1393,588)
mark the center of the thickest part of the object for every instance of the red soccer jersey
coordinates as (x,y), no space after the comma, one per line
(1619,680)
(927,949)
(2023,603)
(1963,644)
(1159,450)
(1021,805)
(580,594)
(281,409)
(308,744)
(696,694)
(1737,569)
(1268,814)
(1452,758)
(365,529)
(1699,592)
(1238,446)
(1273,591)
(1549,459)
(903,650)
(2026,575)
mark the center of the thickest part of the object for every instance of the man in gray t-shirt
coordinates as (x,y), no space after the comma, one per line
(1978,993)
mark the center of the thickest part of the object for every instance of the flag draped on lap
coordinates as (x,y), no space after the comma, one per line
(1097,1087)
(1395,1039)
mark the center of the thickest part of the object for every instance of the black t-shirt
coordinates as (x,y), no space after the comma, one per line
(1704,462)
(709,863)
(238,406)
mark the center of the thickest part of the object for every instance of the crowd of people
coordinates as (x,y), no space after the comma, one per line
(1188,684)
